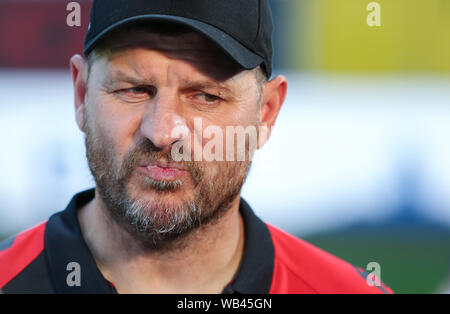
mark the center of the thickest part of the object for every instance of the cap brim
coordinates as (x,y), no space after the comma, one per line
(242,55)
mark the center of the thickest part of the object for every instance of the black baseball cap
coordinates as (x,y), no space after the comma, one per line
(241,28)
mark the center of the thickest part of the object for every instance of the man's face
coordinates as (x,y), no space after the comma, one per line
(137,97)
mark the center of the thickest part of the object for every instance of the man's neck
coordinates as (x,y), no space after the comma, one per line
(206,262)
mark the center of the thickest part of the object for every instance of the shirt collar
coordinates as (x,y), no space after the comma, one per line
(256,269)
(65,244)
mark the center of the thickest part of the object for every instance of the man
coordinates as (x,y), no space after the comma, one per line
(159,81)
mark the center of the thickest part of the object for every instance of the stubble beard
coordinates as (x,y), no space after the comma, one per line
(156,224)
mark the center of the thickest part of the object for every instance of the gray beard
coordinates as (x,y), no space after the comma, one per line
(156,228)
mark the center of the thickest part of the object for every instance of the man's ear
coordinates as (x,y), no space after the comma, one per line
(78,66)
(273,97)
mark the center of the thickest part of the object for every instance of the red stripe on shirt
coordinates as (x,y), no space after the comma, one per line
(26,248)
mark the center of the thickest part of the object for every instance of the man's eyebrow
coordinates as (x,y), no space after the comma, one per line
(118,76)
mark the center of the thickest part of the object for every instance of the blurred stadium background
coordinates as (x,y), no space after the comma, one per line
(359,163)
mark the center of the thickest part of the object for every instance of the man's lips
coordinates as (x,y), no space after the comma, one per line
(163,171)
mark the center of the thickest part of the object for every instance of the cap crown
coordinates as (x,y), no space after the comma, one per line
(247,21)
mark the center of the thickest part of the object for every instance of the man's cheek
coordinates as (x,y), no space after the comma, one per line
(214,169)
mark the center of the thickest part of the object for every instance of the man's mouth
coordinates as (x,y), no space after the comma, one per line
(163,171)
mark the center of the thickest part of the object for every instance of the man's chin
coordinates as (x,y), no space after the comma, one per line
(158,197)
(158,219)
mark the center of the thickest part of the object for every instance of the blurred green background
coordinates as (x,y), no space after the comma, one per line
(411,261)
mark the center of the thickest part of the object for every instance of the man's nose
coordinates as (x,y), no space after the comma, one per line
(161,122)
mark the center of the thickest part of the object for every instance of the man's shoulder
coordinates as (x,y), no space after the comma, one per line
(19,251)
(300,267)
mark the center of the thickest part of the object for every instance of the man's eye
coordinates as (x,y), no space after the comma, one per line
(208,97)
(137,93)
(137,90)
